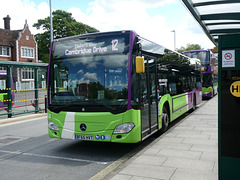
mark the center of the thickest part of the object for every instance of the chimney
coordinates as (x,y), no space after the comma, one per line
(7,22)
(26,24)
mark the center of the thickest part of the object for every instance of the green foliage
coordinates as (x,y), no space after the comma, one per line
(93,88)
(190,47)
(64,25)
(170,56)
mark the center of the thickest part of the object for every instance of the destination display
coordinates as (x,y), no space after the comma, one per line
(89,46)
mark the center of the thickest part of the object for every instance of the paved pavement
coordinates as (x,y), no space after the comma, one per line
(22,117)
(187,151)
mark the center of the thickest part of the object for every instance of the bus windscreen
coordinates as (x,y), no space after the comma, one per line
(202,55)
(90,75)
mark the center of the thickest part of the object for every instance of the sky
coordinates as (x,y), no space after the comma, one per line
(152,19)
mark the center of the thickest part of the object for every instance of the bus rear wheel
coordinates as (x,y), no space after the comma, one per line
(165,119)
(194,103)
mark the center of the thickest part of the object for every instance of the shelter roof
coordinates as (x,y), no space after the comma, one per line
(216,17)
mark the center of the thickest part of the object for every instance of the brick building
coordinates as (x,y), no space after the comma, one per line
(17,45)
(20,46)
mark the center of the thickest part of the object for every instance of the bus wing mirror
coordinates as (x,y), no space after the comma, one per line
(140,67)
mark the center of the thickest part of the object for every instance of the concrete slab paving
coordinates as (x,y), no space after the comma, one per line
(151,160)
(204,148)
(189,164)
(148,171)
(189,174)
(199,141)
(179,153)
(160,145)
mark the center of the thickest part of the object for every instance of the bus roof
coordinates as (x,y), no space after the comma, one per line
(112,33)
(196,51)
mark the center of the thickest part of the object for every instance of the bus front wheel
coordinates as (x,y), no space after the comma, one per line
(165,119)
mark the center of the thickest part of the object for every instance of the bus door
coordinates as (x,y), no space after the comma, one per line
(148,98)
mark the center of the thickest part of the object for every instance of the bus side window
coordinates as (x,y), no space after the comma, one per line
(162,89)
(172,88)
(180,87)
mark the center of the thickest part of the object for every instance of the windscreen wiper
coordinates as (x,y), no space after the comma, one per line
(102,104)
(55,107)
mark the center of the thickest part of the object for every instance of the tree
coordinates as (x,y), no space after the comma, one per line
(64,25)
(190,47)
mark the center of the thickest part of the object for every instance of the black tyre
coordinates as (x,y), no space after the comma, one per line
(194,103)
(165,119)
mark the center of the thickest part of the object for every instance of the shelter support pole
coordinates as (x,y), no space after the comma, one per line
(36,89)
(9,92)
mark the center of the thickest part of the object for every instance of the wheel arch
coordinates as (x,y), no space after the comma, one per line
(167,105)
(166,101)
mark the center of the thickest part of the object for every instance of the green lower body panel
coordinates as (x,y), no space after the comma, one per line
(97,126)
(180,105)
(207,92)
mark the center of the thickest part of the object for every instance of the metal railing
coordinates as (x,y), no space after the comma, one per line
(22,87)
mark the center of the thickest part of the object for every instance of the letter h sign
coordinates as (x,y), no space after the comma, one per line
(235,88)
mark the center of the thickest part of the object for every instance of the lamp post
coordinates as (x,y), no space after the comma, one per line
(174,39)
(51,28)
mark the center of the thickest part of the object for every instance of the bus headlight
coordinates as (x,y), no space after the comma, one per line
(123,128)
(52,126)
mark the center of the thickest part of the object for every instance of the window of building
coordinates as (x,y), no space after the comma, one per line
(27,74)
(5,51)
(27,52)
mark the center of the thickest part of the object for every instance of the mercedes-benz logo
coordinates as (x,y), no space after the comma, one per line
(83,127)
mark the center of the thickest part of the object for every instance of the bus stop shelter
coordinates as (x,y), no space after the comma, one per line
(220,20)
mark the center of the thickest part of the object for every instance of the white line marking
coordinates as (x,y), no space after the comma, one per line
(52,157)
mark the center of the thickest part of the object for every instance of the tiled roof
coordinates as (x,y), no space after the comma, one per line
(7,36)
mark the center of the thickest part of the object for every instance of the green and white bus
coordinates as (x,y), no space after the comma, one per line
(117,87)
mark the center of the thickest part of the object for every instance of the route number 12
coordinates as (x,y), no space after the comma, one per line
(114,45)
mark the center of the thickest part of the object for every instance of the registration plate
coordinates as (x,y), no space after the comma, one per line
(83,137)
